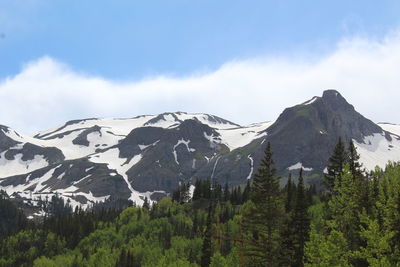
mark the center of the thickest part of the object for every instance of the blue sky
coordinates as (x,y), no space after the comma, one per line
(62,60)
(127,39)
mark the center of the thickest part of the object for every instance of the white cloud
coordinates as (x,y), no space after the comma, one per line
(47,93)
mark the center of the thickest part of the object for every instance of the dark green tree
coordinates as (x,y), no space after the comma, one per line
(289,194)
(335,166)
(354,161)
(301,222)
(264,221)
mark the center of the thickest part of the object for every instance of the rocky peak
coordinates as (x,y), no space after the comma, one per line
(334,100)
(319,121)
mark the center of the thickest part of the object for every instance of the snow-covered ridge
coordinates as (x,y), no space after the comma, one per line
(114,130)
(103,134)
(241,136)
(124,126)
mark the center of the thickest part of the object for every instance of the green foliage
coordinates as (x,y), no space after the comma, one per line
(360,224)
(26,246)
(218,261)
(206,251)
(345,207)
(327,251)
(356,224)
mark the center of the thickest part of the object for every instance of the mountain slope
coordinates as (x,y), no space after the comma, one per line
(147,156)
(307,133)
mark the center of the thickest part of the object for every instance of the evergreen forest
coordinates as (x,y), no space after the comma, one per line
(354,220)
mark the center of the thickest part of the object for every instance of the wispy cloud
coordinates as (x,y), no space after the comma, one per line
(46,92)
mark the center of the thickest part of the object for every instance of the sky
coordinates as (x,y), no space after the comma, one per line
(242,60)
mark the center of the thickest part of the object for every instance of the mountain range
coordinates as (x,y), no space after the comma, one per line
(89,160)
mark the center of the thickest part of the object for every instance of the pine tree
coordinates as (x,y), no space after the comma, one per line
(335,166)
(360,178)
(353,161)
(300,222)
(289,194)
(264,221)
(345,207)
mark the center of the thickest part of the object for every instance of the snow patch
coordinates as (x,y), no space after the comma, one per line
(121,166)
(241,136)
(80,180)
(392,128)
(376,150)
(251,167)
(312,100)
(299,165)
(88,169)
(18,166)
(191,190)
(143,147)
(212,139)
(194,164)
(186,143)
(215,166)
(61,176)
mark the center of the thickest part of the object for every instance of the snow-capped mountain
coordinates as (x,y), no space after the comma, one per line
(147,156)
(129,158)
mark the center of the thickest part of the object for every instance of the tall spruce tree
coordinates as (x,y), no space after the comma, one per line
(335,166)
(289,194)
(354,161)
(264,221)
(345,208)
(301,222)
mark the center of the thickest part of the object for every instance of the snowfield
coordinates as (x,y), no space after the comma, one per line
(392,128)
(241,136)
(376,150)
(96,140)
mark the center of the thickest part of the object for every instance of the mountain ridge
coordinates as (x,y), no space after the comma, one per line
(90,159)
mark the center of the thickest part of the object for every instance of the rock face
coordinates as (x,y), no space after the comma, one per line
(308,132)
(147,156)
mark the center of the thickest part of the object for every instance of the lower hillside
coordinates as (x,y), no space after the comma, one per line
(354,222)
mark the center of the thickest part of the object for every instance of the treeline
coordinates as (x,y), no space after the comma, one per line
(12,219)
(203,189)
(354,222)
(60,229)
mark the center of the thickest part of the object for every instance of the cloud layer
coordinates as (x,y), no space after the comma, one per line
(47,93)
